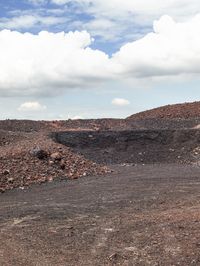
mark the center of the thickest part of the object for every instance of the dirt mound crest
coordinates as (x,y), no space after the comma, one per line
(182,111)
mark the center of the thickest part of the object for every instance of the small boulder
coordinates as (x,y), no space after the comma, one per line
(39,153)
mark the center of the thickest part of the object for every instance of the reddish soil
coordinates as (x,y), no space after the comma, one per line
(185,110)
(19,139)
(19,167)
(141,215)
(30,156)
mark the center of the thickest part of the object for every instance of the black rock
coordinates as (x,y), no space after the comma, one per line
(39,153)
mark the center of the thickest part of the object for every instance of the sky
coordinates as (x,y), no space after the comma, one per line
(67,59)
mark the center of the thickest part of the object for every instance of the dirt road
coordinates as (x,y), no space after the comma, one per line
(138,215)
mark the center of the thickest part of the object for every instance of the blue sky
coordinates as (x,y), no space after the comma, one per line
(113,58)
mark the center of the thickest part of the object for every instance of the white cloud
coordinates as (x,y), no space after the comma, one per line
(46,64)
(31,106)
(120,102)
(29,21)
(101,26)
(172,49)
(121,21)
(111,29)
(114,20)
(143,10)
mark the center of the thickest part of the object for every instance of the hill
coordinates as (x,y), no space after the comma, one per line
(180,111)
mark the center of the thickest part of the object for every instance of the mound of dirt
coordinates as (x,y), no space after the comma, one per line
(29,155)
(37,159)
(180,111)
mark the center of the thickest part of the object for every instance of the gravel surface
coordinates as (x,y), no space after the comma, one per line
(141,215)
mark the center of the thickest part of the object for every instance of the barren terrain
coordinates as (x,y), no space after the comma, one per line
(102,192)
(138,215)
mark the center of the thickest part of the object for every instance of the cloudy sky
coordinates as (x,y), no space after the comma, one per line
(63,59)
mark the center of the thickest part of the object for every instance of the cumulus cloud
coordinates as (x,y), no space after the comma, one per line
(120,102)
(47,64)
(31,106)
(173,48)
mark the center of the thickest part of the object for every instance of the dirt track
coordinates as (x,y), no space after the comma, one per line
(138,215)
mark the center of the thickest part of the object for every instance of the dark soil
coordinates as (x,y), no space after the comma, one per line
(142,215)
(135,146)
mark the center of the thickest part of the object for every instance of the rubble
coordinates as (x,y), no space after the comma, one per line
(38,159)
(28,154)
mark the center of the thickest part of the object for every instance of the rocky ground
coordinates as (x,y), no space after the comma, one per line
(138,215)
(33,157)
(30,153)
(135,200)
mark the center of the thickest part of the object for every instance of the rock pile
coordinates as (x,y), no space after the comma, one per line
(39,159)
